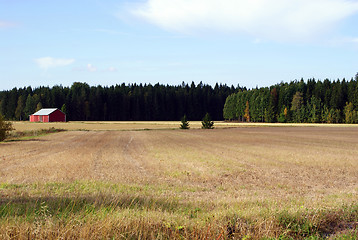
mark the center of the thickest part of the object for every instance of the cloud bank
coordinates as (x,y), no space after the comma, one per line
(268,19)
(49,62)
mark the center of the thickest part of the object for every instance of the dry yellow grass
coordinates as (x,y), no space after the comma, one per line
(277,163)
(251,172)
(152,125)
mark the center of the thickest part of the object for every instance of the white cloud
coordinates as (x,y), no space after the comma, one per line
(79,69)
(269,19)
(354,40)
(91,68)
(111,69)
(49,62)
(4,24)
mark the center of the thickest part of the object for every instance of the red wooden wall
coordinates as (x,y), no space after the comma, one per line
(56,116)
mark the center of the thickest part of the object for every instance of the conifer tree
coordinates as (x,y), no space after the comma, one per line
(184,123)
(19,111)
(297,107)
(5,128)
(207,123)
(30,106)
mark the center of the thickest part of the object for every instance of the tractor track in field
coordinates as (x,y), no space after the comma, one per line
(72,155)
(30,151)
(128,151)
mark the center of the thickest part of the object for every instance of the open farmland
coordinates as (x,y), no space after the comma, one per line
(214,184)
(149,125)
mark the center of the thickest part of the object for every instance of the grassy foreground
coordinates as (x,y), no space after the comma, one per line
(98,210)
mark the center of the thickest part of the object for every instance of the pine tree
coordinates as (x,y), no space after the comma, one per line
(30,106)
(184,123)
(207,123)
(19,111)
(5,128)
(314,108)
(297,107)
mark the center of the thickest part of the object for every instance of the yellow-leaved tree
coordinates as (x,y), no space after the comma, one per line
(247,112)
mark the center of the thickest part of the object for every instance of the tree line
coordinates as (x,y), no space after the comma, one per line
(82,102)
(301,101)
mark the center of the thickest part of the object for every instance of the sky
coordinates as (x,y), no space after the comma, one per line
(253,43)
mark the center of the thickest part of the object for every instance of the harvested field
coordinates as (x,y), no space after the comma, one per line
(315,157)
(148,125)
(197,177)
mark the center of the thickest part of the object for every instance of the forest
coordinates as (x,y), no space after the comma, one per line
(82,102)
(311,101)
(301,101)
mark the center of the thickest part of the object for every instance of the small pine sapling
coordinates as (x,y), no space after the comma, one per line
(184,123)
(207,123)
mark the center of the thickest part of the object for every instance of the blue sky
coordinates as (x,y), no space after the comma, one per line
(247,42)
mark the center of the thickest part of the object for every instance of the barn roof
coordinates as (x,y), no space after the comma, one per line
(45,111)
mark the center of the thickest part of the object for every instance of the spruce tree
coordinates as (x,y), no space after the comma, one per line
(207,123)
(5,128)
(184,123)
(30,106)
(19,111)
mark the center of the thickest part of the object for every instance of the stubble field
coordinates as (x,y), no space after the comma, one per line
(253,181)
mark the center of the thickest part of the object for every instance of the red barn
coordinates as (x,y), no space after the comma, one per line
(48,115)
